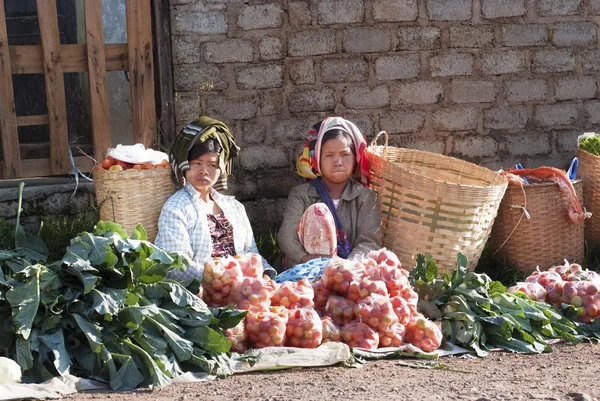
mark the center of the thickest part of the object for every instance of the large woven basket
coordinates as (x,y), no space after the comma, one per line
(589,171)
(434,204)
(131,197)
(544,239)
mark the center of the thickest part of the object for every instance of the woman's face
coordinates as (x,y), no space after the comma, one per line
(204,171)
(337,160)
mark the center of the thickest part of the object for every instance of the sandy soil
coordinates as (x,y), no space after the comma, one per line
(569,373)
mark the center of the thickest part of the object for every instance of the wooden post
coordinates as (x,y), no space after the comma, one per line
(55,87)
(94,37)
(141,72)
(8,117)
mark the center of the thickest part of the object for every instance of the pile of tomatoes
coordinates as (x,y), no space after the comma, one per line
(112,164)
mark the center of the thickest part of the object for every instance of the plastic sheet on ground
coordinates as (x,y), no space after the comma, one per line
(265,359)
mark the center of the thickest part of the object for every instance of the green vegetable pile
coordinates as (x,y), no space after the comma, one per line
(477,313)
(591,144)
(105,311)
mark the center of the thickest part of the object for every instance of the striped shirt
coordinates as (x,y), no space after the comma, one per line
(183,227)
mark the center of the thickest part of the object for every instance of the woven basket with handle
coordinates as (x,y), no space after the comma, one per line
(533,228)
(589,171)
(433,204)
(131,197)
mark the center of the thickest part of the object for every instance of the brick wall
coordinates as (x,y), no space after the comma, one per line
(491,81)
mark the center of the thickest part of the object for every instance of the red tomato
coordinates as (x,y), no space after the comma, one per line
(106,163)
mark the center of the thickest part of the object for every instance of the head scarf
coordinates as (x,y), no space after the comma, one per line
(308,162)
(199,131)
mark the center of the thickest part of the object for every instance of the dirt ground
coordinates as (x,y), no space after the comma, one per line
(569,373)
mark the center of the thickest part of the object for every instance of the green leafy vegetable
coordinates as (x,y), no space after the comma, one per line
(591,144)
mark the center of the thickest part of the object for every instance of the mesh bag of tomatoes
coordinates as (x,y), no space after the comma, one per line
(423,334)
(220,274)
(362,289)
(252,293)
(321,296)
(304,329)
(266,328)
(251,265)
(339,273)
(237,335)
(110,163)
(359,335)
(331,332)
(377,312)
(294,294)
(340,309)
(584,296)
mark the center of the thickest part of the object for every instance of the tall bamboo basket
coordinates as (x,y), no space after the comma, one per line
(544,239)
(433,204)
(589,171)
(131,197)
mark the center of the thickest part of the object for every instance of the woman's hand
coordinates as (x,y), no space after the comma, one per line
(306,258)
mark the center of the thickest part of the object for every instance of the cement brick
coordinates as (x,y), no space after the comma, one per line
(302,72)
(416,141)
(262,157)
(504,62)
(185,50)
(272,185)
(525,90)
(592,111)
(591,60)
(293,130)
(475,36)
(312,43)
(228,51)
(398,67)
(575,88)
(529,144)
(402,121)
(566,140)
(547,8)
(473,91)
(364,122)
(552,115)
(344,70)
(419,38)
(340,11)
(366,98)
(455,119)
(525,35)
(505,117)
(230,108)
(299,13)
(189,78)
(367,40)
(594,7)
(419,92)
(471,146)
(200,23)
(451,64)
(271,102)
(502,8)
(187,106)
(259,76)
(270,49)
(253,132)
(575,33)
(449,10)
(302,100)
(395,10)
(554,60)
(260,16)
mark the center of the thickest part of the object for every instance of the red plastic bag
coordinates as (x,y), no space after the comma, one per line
(360,335)
(252,293)
(294,295)
(304,329)
(266,329)
(220,274)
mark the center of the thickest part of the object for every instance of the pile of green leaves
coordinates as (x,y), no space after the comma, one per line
(105,311)
(477,313)
(591,144)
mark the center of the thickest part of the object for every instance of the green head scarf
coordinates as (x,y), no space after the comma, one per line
(197,132)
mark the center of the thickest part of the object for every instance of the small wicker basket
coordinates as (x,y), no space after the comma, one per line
(544,239)
(433,204)
(131,197)
(589,171)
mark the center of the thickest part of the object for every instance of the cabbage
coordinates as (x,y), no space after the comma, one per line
(10,372)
